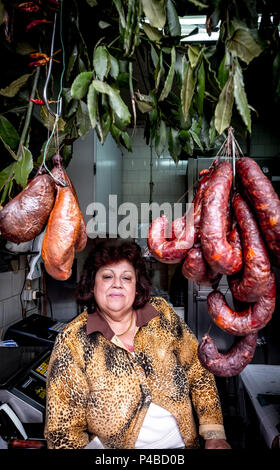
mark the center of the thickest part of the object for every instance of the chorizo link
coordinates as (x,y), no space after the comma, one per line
(59,173)
(256,273)
(62,231)
(221,254)
(24,217)
(254,317)
(196,269)
(174,250)
(264,199)
(230,363)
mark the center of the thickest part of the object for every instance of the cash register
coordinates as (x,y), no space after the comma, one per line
(23,371)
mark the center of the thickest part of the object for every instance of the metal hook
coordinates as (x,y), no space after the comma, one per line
(58,113)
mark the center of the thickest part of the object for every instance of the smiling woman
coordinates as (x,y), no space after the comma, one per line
(125,373)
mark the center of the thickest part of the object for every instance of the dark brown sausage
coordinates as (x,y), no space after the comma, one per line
(254,317)
(24,217)
(264,199)
(223,255)
(230,363)
(196,269)
(174,250)
(256,273)
(59,173)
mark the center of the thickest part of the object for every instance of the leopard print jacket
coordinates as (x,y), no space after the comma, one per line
(97,388)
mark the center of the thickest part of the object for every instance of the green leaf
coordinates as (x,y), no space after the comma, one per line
(223,111)
(223,71)
(92,3)
(212,131)
(8,133)
(240,97)
(174,145)
(6,175)
(119,7)
(173,19)
(196,139)
(188,141)
(116,133)
(83,119)
(155,11)
(169,79)
(23,167)
(194,54)
(71,62)
(161,138)
(153,33)
(105,122)
(11,90)
(114,69)
(80,85)
(188,86)
(92,103)
(126,141)
(244,45)
(144,106)
(101,62)
(48,120)
(159,71)
(200,88)
(116,102)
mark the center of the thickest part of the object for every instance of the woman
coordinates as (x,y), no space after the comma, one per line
(125,373)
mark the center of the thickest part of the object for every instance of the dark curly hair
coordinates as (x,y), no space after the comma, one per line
(107,252)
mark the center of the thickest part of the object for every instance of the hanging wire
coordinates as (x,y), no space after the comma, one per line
(59,99)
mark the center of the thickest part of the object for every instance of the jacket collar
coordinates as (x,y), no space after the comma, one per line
(96,322)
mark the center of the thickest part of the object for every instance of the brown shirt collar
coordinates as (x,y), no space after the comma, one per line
(96,322)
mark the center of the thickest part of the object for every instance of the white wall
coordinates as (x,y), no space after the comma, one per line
(11,283)
(169,179)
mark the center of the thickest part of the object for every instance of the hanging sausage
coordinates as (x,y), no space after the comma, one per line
(222,254)
(63,228)
(24,217)
(265,202)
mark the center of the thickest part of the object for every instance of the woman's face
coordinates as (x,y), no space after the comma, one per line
(115,288)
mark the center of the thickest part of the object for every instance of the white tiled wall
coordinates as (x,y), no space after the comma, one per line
(169,179)
(11,284)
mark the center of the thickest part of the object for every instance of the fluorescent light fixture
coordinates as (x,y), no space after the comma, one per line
(189,23)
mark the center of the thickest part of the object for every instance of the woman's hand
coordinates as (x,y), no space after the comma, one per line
(217,444)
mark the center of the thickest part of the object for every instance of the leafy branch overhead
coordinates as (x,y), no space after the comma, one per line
(134,64)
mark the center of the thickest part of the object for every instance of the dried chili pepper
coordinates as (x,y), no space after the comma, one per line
(35,23)
(36,101)
(29,7)
(43,59)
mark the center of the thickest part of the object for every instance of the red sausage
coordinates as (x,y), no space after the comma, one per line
(230,363)
(223,255)
(254,317)
(196,269)
(174,250)
(264,199)
(59,172)
(256,273)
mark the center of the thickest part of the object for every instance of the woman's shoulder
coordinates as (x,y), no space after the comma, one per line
(158,301)
(75,325)
(161,305)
